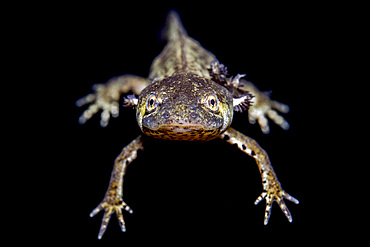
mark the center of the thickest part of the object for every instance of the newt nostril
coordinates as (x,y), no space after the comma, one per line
(166,114)
(193,115)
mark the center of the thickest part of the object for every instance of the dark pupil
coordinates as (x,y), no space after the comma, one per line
(151,102)
(212,102)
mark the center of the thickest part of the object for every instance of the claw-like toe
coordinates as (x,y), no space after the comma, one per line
(86,100)
(121,222)
(284,208)
(260,198)
(267,213)
(290,198)
(107,215)
(96,210)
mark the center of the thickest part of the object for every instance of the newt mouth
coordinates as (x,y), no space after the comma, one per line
(182,132)
(180,128)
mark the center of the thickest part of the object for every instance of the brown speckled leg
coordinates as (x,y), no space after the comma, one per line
(271,187)
(106,97)
(264,108)
(112,202)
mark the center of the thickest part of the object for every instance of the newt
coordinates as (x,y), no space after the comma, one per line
(187,96)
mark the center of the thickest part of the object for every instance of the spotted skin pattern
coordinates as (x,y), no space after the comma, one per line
(271,187)
(187,96)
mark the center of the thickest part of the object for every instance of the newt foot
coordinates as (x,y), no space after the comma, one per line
(270,196)
(103,99)
(110,208)
(263,108)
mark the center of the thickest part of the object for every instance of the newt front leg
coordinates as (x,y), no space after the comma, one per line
(112,202)
(271,187)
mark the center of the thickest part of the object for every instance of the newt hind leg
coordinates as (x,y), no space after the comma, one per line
(264,108)
(106,97)
(272,190)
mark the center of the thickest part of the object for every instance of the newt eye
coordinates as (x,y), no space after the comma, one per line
(211,101)
(151,102)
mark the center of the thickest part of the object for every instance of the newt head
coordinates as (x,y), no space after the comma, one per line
(184,106)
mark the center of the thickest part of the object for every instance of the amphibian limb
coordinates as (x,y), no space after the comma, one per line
(112,202)
(271,187)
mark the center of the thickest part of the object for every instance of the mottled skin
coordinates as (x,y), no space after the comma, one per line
(187,96)
(182,112)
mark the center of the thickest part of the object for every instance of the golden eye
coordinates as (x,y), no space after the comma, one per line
(211,102)
(151,102)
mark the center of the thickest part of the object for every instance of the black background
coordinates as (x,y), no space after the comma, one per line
(183,192)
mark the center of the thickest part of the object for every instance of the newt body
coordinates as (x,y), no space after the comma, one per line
(187,96)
